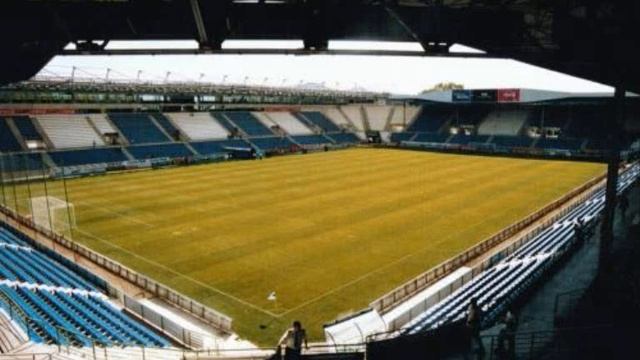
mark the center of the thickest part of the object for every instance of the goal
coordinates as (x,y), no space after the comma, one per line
(54,214)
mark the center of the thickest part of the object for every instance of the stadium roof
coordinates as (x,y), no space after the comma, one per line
(597,40)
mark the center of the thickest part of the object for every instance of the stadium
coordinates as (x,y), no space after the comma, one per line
(199,220)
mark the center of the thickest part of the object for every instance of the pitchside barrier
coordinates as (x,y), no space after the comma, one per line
(190,338)
(397,296)
(208,315)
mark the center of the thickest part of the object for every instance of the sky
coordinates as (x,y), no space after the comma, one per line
(394,74)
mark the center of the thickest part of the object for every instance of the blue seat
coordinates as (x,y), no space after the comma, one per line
(431,138)
(468,139)
(8,142)
(311,140)
(88,156)
(218,146)
(559,144)
(26,128)
(166,124)
(344,138)
(512,141)
(273,143)
(401,136)
(430,119)
(142,152)
(318,119)
(248,123)
(138,128)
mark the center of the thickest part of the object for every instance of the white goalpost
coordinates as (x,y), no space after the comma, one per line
(54,214)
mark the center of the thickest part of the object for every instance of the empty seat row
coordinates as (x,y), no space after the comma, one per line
(431,138)
(248,123)
(316,118)
(430,120)
(142,152)
(80,320)
(138,128)
(287,122)
(8,141)
(87,156)
(57,305)
(344,138)
(219,146)
(27,128)
(312,140)
(273,143)
(69,131)
(199,126)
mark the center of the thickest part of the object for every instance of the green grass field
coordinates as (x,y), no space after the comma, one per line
(328,232)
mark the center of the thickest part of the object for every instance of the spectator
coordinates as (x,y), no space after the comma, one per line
(510,325)
(292,340)
(474,318)
(624,205)
(579,230)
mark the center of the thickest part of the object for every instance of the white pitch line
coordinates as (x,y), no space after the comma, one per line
(243,302)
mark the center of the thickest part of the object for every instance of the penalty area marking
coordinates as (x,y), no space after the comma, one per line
(195,281)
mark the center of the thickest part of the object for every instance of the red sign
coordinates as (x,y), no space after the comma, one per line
(509,95)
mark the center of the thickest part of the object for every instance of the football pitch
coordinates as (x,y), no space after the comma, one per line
(327,232)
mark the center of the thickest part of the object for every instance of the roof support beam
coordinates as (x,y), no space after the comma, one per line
(203,38)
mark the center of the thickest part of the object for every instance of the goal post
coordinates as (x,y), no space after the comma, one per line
(54,214)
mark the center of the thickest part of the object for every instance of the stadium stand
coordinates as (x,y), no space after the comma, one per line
(378,116)
(138,128)
(199,126)
(58,130)
(8,141)
(289,123)
(354,113)
(430,119)
(503,123)
(560,144)
(23,162)
(556,117)
(166,124)
(428,137)
(248,123)
(337,117)
(317,118)
(497,287)
(55,305)
(219,146)
(101,123)
(344,138)
(26,128)
(272,143)
(142,152)
(403,115)
(468,139)
(470,115)
(87,156)
(311,140)
(512,141)
(401,136)
(222,119)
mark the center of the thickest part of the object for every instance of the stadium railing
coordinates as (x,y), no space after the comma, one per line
(421,282)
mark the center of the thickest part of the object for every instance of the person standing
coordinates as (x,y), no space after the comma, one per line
(624,205)
(474,319)
(293,340)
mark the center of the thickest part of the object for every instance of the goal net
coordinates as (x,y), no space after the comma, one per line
(54,214)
